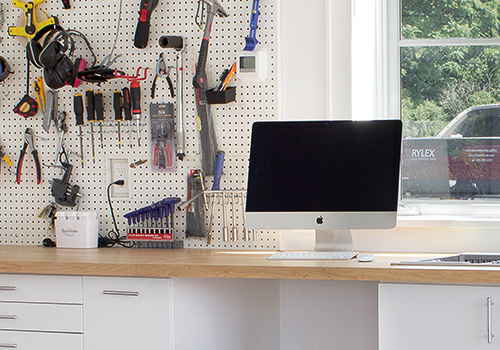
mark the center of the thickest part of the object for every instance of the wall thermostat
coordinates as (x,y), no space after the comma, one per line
(252,65)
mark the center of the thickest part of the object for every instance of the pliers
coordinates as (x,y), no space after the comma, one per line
(29,141)
(162,149)
(162,72)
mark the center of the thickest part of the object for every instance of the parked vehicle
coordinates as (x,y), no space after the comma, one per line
(462,161)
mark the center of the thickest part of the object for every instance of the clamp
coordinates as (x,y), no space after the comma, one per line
(162,72)
(29,141)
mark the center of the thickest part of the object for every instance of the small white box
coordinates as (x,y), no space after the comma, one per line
(77,229)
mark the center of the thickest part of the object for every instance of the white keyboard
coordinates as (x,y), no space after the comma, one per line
(313,256)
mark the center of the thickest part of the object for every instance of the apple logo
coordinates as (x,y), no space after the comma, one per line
(319,220)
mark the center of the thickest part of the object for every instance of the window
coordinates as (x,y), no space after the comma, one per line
(448,91)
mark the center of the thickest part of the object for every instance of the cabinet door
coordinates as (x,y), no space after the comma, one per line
(127,313)
(419,317)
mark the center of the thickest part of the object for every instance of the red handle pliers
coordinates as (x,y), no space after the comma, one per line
(29,141)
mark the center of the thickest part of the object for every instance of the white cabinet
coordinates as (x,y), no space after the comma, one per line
(127,313)
(41,312)
(413,316)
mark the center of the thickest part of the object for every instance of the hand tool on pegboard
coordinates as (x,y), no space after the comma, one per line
(29,141)
(127,111)
(206,124)
(142,31)
(78,109)
(177,42)
(27,107)
(50,109)
(195,215)
(4,157)
(135,97)
(218,169)
(40,94)
(90,106)
(118,108)
(251,41)
(99,113)
(63,192)
(33,20)
(162,72)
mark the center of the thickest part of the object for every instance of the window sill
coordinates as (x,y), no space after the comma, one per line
(448,221)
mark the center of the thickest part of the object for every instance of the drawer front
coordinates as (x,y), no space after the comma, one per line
(39,341)
(139,308)
(41,317)
(33,288)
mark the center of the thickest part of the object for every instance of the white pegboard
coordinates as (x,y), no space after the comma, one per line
(21,204)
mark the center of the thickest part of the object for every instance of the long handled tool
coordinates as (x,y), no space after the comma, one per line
(207,131)
(177,42)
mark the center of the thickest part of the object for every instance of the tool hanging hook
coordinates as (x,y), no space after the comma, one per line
(133,78)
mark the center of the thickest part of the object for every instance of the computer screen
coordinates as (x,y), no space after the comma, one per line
(324,175)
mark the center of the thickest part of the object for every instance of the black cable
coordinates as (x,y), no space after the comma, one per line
(114,236)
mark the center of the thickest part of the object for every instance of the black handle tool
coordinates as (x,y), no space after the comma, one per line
(142,31)
(78,109)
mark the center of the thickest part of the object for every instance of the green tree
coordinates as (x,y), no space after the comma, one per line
(440,82)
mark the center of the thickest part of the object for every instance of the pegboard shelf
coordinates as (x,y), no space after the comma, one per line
(21,204)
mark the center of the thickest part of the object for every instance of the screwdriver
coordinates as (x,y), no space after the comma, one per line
(89,104)
(117,106)
(78,109)
(99,112)
(127,104)
(135,95)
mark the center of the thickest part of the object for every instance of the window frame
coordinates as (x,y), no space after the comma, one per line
(391,47)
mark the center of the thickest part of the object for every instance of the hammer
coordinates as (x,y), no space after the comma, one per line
(214,8)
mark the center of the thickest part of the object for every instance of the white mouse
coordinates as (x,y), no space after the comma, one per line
(365,257)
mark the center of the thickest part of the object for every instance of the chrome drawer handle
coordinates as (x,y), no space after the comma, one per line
(8,317)
(489,303)
(11,288)
(8,346)
(120,292)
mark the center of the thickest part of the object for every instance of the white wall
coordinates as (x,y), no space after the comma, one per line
(315,59)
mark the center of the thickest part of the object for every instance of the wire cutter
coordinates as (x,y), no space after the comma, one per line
(29,141)
(162,72)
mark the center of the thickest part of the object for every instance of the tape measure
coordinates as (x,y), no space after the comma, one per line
(27,107)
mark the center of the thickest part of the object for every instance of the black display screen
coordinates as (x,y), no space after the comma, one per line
(324,166)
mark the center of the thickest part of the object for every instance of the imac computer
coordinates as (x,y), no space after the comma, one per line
(330,176)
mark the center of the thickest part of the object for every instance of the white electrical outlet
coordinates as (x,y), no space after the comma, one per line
(119,170)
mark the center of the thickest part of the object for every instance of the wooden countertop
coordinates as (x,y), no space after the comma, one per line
(227,264)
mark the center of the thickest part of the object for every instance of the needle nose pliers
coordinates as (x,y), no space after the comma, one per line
(29,141)
(162,71)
